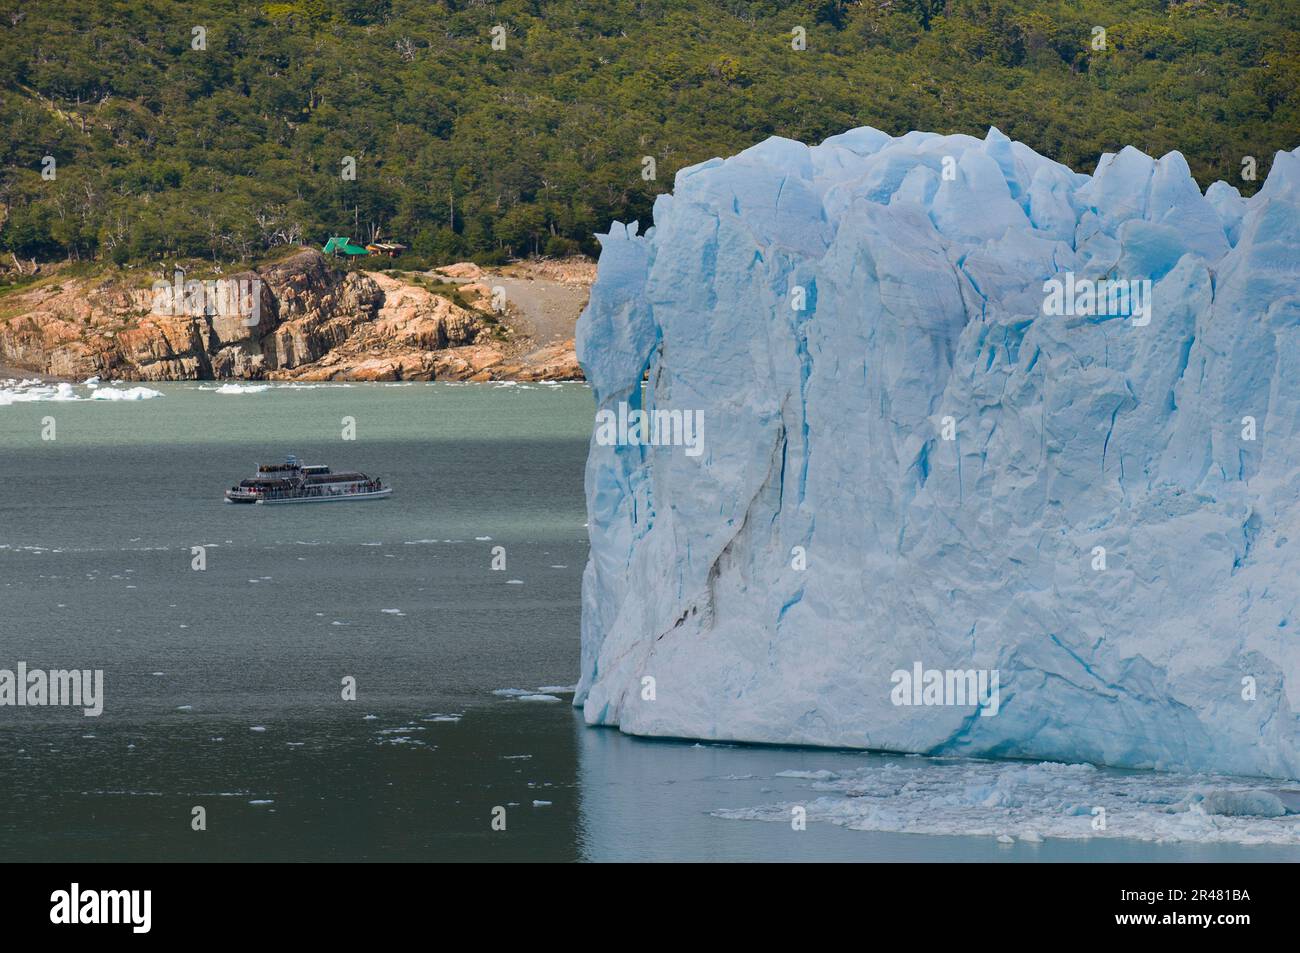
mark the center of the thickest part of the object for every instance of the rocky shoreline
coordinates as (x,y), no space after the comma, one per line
(310,321)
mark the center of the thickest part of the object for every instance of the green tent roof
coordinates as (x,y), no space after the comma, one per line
(343,246)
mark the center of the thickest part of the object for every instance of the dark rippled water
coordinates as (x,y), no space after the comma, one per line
(223,686)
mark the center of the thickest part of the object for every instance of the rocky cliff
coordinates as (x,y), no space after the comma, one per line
(296,319)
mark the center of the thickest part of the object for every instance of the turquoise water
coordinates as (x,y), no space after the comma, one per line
(224,686)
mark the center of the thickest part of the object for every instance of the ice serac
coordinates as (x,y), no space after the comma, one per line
(921,264)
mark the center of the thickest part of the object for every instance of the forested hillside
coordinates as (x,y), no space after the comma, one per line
(221,129)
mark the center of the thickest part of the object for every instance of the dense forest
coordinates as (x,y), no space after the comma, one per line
(221,129)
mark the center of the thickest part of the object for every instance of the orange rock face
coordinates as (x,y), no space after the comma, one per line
(462,269)
(311,323)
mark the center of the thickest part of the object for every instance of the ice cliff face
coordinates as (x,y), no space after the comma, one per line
(908,465)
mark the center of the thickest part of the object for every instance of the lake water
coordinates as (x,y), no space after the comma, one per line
(223,687)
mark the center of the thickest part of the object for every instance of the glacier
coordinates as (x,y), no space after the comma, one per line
(907,461)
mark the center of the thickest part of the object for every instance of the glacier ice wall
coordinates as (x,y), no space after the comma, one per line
(921,264)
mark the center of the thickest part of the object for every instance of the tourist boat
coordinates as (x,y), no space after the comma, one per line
(292,482)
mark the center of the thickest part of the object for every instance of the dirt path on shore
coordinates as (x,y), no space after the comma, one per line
(547,310)
(544,298)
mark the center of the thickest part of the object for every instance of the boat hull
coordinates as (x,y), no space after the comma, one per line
(336,498)
(330,498)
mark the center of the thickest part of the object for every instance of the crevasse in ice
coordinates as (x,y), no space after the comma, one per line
(906,463)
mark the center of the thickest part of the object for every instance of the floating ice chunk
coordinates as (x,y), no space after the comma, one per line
(31,391)
(1243,804)
(1030,802)
(127,393)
